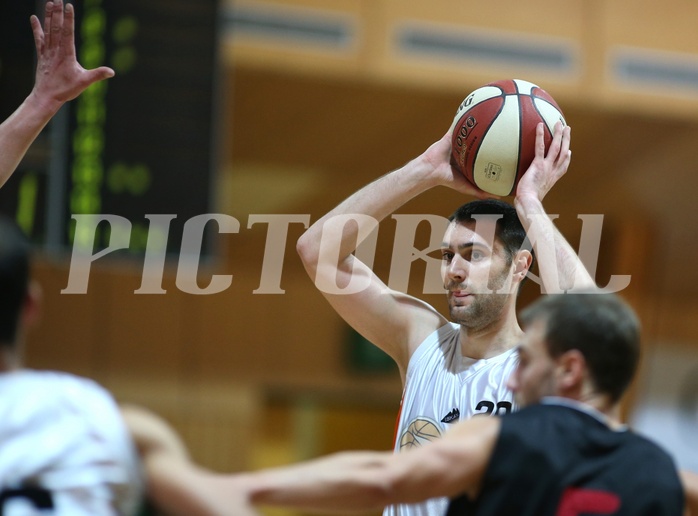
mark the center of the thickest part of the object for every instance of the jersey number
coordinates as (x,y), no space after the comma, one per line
(40,498)
(577,501)
(488,408)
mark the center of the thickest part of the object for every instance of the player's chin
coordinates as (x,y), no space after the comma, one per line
(460,314)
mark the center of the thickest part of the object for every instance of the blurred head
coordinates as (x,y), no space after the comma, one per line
(574,344)
(14,279)
(483,263)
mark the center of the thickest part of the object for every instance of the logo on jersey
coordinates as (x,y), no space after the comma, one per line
(452,416)
(419,432)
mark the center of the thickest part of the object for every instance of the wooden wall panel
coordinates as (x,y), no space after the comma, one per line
(591,37)
(666,25)
(297,50)
(70,325)
(490,31)
(268,337)
(651,57)
(218,421)
(143,335)
(542,17)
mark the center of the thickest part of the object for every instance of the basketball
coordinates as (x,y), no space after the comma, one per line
(494,133)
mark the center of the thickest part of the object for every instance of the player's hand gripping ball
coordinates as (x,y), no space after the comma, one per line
(494,133)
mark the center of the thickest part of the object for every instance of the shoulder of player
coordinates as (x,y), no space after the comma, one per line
(65,388)
(401,325)
(424,322)
(46,378)
(424,319)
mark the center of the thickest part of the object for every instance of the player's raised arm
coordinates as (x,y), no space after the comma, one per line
(393,321)
(59,79)
(560,267)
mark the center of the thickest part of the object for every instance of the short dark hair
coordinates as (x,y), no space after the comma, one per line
(14,278)
(508,230)
(599,325)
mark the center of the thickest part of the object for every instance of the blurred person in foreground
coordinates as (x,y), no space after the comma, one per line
(563,453)
(64,448)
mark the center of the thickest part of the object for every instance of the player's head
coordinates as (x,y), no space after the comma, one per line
(14,279)
(483,261)
(577,345)
(508,229)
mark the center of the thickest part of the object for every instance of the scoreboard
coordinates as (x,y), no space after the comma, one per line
(143,142)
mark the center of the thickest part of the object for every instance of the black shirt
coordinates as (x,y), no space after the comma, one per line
(560,459)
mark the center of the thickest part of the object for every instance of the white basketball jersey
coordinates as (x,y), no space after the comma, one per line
(441,387)
(64,449)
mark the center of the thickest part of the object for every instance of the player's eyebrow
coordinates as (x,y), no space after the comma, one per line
(466,245)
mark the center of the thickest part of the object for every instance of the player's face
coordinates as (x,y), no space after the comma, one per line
(477,274)
(534,377)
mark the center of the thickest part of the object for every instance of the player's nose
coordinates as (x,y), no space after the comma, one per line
(456,270)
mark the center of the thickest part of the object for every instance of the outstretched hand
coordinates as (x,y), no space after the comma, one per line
(546,169)
(59,79)
(438,155)
(59,76)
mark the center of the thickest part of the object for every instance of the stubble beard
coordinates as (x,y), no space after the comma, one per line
(484,309)
(482,312)
(545,387)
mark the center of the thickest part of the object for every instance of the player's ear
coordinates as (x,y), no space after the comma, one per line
(522,263)
(571,370)
(32,305)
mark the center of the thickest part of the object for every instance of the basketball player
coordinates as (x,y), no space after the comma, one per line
(59,78)
(64,448)
(450,370)
(564,453)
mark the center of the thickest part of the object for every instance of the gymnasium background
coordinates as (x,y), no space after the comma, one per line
(285,107)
